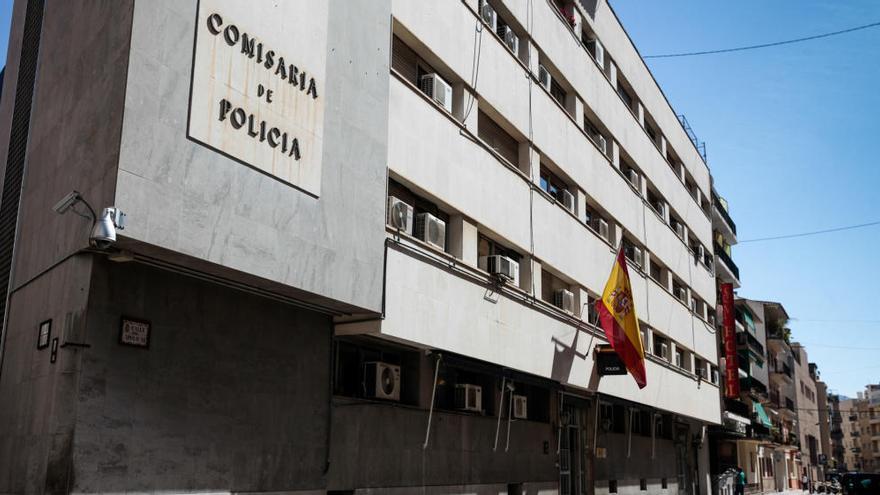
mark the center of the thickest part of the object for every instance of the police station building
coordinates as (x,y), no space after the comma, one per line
(345,246)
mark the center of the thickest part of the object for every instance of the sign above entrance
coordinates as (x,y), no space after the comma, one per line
(257,86)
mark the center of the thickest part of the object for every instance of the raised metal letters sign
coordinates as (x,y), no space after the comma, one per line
(257,85)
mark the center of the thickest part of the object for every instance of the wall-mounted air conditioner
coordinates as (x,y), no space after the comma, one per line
(701,252)
(382,380)
(520,407)
(679,230)
(664,351)
(502,267)
(603,229)
(715,376)
(489,15)
(681,293)
(633,177)
(638,257)
(544,78)
(678,359)
(597,50)
(602,144)
(693,304)
(567,200)
(431,230)
(469,397)
(400,215)
(564,299)
(512,41)
(438,89)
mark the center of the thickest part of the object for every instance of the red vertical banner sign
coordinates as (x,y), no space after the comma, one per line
(731,369)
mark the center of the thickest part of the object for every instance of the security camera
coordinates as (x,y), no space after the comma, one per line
(66,202)
(104,232)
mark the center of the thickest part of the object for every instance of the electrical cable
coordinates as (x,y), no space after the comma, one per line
(765,45)
(815,232)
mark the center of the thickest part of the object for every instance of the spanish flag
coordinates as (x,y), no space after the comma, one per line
(617,315)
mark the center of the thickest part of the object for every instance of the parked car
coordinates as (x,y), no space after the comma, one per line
(860,484)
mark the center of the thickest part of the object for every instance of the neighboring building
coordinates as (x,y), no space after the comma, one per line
(391,290)
(824,412)
(866,424)
(837,457)
(852,435)
(808,416)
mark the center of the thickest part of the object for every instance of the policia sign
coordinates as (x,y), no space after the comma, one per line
(256,89)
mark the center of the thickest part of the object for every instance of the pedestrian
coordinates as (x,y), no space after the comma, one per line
(805,483)
(739,481)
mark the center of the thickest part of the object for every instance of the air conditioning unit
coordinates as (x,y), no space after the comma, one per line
(382,380)
(502,267)
(638,257)
(438,89)
(679,229)
(520,407)
(567,200)
(681,293)
(489,15)
(469,397)
(633,177)
(602,144)
(715,376)
(603,229)
(597,50)
(512,41)
(701,252)
(678,357)
(701,372)
(431,229)
(664,351)
(693,303)
(564,299)
(400,215)
(544,77)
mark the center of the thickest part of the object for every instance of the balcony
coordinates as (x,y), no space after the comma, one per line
(727,262)
(747,340)
(723,215)
(783,371)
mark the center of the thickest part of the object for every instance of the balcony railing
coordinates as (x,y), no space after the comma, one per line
(719,251)
(724,214)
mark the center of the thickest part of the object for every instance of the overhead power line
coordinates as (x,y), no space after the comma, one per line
(815,232)
(765,45)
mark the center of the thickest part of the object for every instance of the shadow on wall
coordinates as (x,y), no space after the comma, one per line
(564,356)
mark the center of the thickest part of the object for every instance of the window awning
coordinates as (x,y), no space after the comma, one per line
(762,414)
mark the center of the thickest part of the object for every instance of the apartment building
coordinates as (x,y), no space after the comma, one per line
(862,431)
(852,435)
(357,256)
(807,402)
(837,449)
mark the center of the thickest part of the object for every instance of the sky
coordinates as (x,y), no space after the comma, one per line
(792,137)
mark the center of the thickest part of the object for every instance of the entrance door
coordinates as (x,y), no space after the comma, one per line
(682,461)
(573,476)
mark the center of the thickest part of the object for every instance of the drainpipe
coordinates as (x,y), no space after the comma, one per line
(433,394)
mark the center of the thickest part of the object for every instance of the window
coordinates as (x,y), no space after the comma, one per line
(661,346)
(678,290)
(552,185)
(349,370)
(596,136)
(679,357)
(632,252)
(656,272)
(612,418)
(408,64)
(624,95)
(419,204)
(488,247)
(641,423)
(557,92)
(631,174)
(597,222)
(656,201)
(497,138)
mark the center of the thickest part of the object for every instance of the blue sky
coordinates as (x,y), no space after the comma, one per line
(792,135)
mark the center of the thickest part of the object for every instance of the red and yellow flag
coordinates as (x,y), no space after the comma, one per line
(617,315)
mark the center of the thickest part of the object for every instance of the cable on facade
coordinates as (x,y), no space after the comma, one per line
(765,45)
(815,232)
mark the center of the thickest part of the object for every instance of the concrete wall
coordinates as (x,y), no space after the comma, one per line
(38,397)
(378,445)
(232,394)
(75,127)
(430,307)
(185,198)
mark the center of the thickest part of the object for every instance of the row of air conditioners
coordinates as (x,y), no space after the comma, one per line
(382,381)
(425,226)
(490,17)
(437,89)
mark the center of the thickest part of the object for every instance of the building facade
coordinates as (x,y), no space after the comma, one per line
(861,431)
(361,249)
(808,414)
